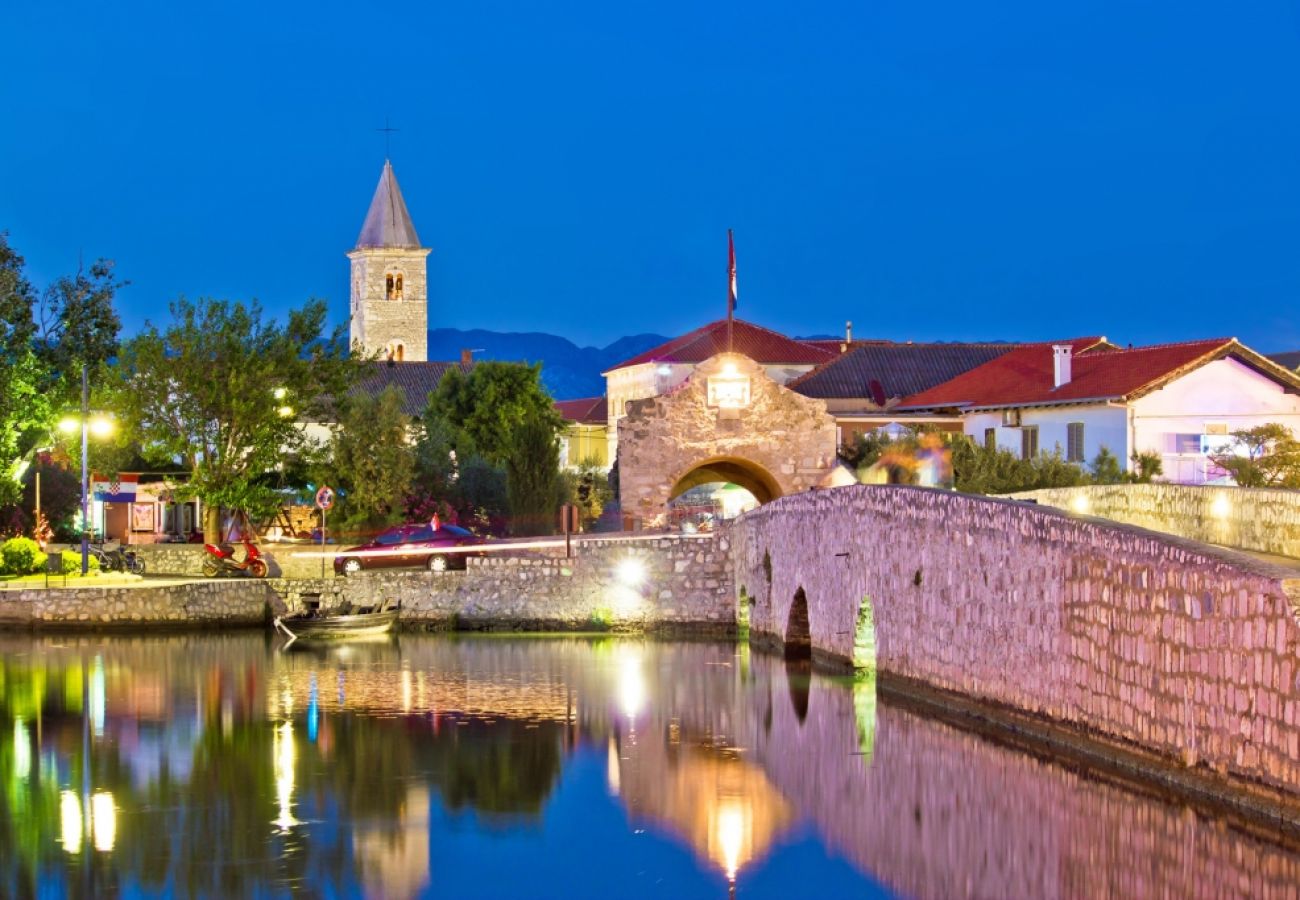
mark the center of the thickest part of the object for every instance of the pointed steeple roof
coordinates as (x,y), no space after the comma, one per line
(388,224)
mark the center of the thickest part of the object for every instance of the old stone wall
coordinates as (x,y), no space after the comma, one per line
(647,584)
(1187,650)
(283,560)
(1265,520)
(777,443)
(218,602)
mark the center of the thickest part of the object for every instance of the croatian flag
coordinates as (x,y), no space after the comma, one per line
(117,489)
(731,274)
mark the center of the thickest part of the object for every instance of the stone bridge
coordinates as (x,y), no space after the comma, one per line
(1188,650)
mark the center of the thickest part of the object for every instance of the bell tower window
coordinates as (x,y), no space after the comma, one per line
(396,352)
(393,286)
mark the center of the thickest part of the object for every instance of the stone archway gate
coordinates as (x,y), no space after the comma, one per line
(730,421)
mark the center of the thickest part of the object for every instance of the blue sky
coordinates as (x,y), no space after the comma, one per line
(929,170)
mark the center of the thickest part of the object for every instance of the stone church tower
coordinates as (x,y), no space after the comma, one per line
(390,299)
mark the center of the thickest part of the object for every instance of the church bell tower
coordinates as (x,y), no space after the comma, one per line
(390,300)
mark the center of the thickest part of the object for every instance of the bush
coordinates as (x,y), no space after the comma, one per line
(72,563)
(21,556)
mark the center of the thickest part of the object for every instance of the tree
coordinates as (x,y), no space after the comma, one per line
(1263,456)
(532,475)
(78,325)
(24,410)
(1106,469)
(371,457)
(487,405)
(221,391)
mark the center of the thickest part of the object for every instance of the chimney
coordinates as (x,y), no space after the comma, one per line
(467,357)
(848,332)
(1061,358)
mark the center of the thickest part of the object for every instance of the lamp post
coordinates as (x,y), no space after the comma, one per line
(101,427)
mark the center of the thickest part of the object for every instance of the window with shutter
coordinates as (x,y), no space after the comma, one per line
(1074,442)
(1029,442)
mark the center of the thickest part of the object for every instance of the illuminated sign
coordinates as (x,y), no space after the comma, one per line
(729,391)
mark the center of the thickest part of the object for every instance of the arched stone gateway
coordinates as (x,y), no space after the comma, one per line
(731,423)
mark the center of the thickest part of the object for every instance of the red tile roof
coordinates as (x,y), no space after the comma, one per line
(587,411)
(759,344)
(1024,376)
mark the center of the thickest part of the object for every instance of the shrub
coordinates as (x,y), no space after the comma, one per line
(601,619)
(72,563)
(21,556)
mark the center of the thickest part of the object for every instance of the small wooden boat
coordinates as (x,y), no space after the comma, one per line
(315,625)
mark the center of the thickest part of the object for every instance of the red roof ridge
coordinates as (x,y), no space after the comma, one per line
(654,354)
(1218,342)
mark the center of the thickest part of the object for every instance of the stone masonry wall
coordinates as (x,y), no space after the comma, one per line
(665,582)
(1265,520)
(781,438)
(659,583)
(282,559)
(1184,649)
(219,602)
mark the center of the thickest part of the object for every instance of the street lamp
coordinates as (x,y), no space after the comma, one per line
(101,427)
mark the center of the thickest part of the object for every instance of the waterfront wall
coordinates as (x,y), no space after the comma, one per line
(646,584)
(1265,520)
(1187,650)
(228,603)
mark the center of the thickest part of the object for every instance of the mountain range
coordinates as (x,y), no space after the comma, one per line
(568,371)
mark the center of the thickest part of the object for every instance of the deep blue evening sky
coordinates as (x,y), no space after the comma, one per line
(930,170)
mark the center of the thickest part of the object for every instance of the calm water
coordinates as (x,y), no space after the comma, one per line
(546,767)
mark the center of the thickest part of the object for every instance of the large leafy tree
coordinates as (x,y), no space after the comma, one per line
(24,406)
(220,390)
(78,326)
(371,457)
(489,403)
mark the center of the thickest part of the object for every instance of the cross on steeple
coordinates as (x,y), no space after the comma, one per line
(388,134)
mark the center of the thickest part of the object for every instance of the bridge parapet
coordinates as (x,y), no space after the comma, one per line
(1186,649)
(1264,520)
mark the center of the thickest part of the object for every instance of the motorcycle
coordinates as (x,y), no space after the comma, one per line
(119,559)
(220,560)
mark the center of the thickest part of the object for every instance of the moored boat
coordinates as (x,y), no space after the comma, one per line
(324,626)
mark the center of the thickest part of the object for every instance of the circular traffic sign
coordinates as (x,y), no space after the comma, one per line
(325,497)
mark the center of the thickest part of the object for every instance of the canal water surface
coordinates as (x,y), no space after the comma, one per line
(434,766)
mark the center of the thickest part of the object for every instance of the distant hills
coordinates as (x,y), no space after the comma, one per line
(568,371)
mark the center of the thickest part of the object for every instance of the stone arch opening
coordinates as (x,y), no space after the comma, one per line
(729,470)
(864,637)
(798,628)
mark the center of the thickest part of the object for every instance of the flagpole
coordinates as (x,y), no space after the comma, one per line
(731,286)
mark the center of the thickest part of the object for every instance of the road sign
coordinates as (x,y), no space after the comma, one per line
(325,497)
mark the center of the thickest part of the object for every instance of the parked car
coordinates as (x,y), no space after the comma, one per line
(410,545)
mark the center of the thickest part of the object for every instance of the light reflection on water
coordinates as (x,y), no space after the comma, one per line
(544,767)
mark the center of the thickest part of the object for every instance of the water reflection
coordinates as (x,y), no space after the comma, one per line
(218,766)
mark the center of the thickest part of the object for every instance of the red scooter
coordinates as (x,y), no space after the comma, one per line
(220,560)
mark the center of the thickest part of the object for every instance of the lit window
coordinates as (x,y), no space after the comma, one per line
(396,351)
